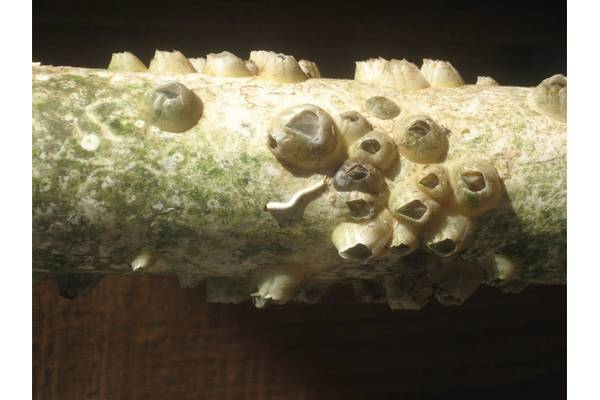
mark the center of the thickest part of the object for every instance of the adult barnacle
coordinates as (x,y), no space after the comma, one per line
(198,63)
(421,139)
(433,181)
(411,206)
(309,68)
(225,64)
(476,185)
(382,107)
(358,175)
(362,205)
(170,62)
(549,98)
(126,62)
(364,240)
(352,126)
(450,235)
(486,81)
(404,240)
(400,74)
(304,138)
(441,74)
(375,148)
(277,68)
(172,107)
(502,270)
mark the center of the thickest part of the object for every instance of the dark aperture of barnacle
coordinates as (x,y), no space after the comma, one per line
(360,176)
(381,107)
(172,107)
(420,139)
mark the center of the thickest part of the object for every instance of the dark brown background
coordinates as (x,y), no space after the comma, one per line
(145,338)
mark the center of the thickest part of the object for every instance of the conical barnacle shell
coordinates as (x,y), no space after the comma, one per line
(277,68)
(352,126)
(260,57)
(309,68)
(225,64)
(126,62)
(549,98)
(170,62)
(376,148)
(486,81)
(198,63)
(441,74)
(358,175)
(434,182)
(172,107)
(449,235)
(502,270)
(476,185)
(400,74)
(252,67)
(411,206)
(381,107)
(404,239)
(364,240)
(361,205)
(421,139)
(278,284)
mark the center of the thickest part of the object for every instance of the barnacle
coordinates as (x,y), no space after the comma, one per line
(277,284)
(252,67)
(476,185)
(358,175)
(486,81)
(126,62)
(382,107)
(352,126)
(277,68)
(144,260)
(451,233)
(375,148)
(404,239)
(225,64)
(309,68)
(172,107)
(363,240)
(411,206)
(441,74)
(433,181)
(549,98)
(198,63)
(362,205)
(170,62)
(421,139)
(305,138)
(502,270)
(400,74)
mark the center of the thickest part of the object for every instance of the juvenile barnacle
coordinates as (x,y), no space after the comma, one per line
(400,74)
(502,270)
(277,68)
(381,107)
(305,138)
(362,205)
(309,68)
(363,240)
(549,98)
(198,63)
(404,239)
(411,206)
(375,148)
(170,62)
(433,181)
(476,185)
(451,233)
(352,126)
(277,284)
(420,139)
(486,81)
(172,107)
(441,74)
(126,62)
(360,176)
(225,64)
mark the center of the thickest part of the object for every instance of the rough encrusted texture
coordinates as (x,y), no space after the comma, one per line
(107,185)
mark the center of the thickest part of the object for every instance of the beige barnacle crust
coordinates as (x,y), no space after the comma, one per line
(433,181)
(486,81)
(502,270)
(126,62)
(375,148)
(420,139)
(278,285)
(352,126)
(198,63)
(277,67)
(291,211)
(172,107)
(309,68)
(399,74)
(362,205)
(364,240)
(360,176)
(226,65)
(476,185)
(381,107)
(304,139)
(170,62)
(450,234)
(252,67)
(411,206)
(441,74)
(549,98)
(404,239)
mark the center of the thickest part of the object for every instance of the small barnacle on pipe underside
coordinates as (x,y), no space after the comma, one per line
(375,148)
(433,181)
(304,138)
(144,260)
(549,98)
(360,176)
(399,74)
(226,65)
(352,126)
(450,233)
(441,74)
(476,185)
(502,269)
(310,69)
(277,67)
(404,239)
(126,62)
(289,212)
(381,107)
(278,284)
(411,206)
(453,283)
(172,107)
(421,140)
(362,241)
(170,62)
